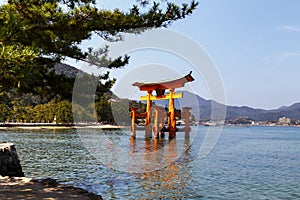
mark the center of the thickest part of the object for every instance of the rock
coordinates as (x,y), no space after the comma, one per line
(3,170)
(9,161)
(49,182)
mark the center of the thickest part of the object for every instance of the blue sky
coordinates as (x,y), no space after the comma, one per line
(254,44)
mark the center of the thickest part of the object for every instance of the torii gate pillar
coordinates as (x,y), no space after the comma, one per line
(159,115)
(187,114)
(148,130)
(172,120)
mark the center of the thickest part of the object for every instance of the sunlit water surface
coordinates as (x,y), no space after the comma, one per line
(246,163)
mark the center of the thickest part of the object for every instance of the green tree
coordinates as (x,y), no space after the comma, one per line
(44,113)
(140,106)
(21,113)
(103,111)
(4,112)
(120,110)
(50,109)
(40,113)
(81,114)
(36,34)
(64,112)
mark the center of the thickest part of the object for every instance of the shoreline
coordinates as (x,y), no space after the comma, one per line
(28,188)
(39,126)
(53,126)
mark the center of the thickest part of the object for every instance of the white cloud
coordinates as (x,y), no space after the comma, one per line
(291,28)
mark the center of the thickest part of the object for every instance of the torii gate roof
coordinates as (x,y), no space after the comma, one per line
(170,84)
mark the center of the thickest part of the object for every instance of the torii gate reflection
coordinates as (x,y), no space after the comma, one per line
(159,113)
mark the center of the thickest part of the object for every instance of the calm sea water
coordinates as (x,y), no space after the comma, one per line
(246,163)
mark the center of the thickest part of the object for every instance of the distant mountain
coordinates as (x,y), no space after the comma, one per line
(201,108)
(68,70)
(292,112)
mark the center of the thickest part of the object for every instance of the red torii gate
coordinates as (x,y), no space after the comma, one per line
(160,89)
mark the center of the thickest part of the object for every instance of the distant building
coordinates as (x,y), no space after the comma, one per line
(284,120)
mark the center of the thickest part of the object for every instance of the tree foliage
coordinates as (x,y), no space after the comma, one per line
(36,34)
(4,113)
(103,111)
(64,112)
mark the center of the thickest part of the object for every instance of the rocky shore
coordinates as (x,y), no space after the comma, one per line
(26,188)
(13,184)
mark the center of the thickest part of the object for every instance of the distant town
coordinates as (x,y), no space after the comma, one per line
(245,121)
